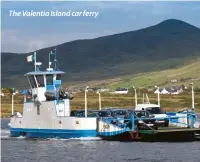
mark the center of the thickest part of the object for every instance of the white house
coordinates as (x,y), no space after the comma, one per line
(156,91)
(164,91)
(103,90)
(174,90)
(120,91)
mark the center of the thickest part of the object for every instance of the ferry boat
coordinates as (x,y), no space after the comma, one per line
(46,111)
(47,114)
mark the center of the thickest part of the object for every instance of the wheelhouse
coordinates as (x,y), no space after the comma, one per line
(44,82)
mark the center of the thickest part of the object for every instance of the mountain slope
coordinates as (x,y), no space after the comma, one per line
(184,74)
(158,47)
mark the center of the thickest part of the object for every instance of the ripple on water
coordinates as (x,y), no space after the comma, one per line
(21,149)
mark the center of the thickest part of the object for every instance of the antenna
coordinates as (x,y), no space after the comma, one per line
(50,59)
(50,69)
(55,59)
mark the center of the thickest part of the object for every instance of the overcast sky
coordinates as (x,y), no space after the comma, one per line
(26,34)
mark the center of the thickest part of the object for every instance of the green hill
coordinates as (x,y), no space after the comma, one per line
(165,45)
(184,75)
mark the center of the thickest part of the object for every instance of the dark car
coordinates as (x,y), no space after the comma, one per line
(101,113)
(90,113)
(149,121)
(144,119)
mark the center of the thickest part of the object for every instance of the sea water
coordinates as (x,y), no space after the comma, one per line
(93,150)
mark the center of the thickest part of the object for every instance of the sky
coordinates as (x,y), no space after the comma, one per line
(27,34)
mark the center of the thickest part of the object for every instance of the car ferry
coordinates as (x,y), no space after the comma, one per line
(46,110)
(47,114)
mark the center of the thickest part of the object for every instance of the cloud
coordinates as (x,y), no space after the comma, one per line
(26,34)
(22,43)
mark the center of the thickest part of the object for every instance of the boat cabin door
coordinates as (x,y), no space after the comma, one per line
(37,83)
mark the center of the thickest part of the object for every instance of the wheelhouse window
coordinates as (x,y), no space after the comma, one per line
(58,77)
(49,79)
(40,80)
(32,81)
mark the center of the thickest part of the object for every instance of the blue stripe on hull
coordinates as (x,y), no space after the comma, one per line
(52,133)
(112,133)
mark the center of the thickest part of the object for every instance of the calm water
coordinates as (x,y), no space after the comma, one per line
(91,149)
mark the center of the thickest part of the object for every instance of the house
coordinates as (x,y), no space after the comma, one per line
(103,90)
(164,91)
(174,80)
(120,91)
(169,90)
(2,94)
(174,89)
(90,90)
(156,91)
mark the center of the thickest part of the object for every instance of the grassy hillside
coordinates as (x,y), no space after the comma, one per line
(185,75)
(159,47)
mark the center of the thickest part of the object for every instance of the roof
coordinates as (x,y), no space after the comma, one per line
(121,89)
(164,91)
(173,88)
(44,72)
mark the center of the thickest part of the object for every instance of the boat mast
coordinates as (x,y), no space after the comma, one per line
(55,59)
(35,61)
(50,59)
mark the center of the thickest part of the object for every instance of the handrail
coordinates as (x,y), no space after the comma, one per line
(154,118)
(144,123)
(137,118)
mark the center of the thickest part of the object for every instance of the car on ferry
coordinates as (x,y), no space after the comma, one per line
(90,113)
(155,110)
(146,118)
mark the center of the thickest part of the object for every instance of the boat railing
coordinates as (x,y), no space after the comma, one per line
(123,122)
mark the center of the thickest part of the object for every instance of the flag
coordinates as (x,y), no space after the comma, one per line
(30,58)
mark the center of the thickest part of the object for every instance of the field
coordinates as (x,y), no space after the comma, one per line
(184,75)
(168,102)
